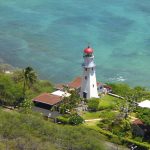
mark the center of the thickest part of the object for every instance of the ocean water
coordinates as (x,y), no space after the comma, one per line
(50,36)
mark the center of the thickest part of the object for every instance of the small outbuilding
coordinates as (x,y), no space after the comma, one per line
(144,104)
(140,129)
(45,101)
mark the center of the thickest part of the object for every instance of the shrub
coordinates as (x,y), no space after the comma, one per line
(75,119)
(26,106)
(93,104)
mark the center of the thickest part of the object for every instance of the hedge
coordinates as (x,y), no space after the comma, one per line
(125,140)
(72,119)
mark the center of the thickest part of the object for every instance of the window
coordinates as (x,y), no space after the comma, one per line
(85,77)
(85,69)
(100,87)
(92,68)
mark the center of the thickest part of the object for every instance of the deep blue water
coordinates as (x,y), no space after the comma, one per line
(50,36)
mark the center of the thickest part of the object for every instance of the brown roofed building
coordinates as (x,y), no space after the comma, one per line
(139,128)
(75,83)
(137,122)
(45,101)
(48,99)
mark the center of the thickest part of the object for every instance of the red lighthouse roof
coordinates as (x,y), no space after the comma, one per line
(88,50)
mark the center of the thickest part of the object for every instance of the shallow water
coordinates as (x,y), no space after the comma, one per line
(50,36)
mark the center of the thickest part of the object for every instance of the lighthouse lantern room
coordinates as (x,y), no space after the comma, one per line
(89,84)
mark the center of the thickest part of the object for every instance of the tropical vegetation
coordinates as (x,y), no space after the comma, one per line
(23,129)
(21,85)
(117,114)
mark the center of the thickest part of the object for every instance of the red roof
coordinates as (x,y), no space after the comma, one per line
(137,122)
(88,50)
(107,87)
(47,98)
(75,83)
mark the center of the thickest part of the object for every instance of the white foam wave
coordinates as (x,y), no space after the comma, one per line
(119,78)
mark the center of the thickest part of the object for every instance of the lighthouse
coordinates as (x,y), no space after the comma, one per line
(88,84)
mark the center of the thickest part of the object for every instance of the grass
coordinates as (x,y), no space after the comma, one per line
(109,102)
(106,102)
(91,115)
(108,114)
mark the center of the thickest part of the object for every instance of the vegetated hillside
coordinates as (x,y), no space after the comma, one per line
(11,88)
(31,131)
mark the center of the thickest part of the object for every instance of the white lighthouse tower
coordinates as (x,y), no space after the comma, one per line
(89,84)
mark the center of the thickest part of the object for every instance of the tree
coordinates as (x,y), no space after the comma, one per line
(28,77)
(69,103)
(9,90)
(93,104)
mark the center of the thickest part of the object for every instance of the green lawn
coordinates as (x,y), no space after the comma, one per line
(106,102)
(91,115)
(109,102)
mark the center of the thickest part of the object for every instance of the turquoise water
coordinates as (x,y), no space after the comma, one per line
(50,36)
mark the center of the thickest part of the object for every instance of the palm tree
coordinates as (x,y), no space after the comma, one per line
(29,78)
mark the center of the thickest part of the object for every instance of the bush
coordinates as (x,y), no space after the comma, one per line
(110,135)
(93,104)
(75,119)
(26,106)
